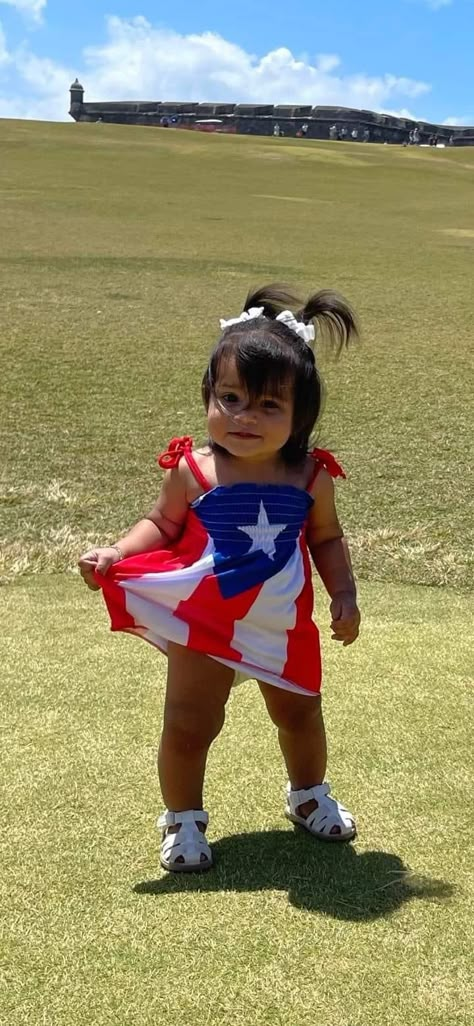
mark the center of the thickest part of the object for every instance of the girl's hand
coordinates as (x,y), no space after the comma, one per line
(99,560)
(345,617)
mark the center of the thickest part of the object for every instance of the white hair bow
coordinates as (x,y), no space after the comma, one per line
(305,331)
(247,315)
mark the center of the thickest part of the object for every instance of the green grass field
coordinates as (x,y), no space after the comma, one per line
(120,249)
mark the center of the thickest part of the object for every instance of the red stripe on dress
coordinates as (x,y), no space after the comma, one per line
(303,662)
(211,618)
(183,554)
(115,598)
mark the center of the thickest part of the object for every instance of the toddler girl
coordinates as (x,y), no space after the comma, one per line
(218,574)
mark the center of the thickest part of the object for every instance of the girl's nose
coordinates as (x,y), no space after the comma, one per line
(246,416)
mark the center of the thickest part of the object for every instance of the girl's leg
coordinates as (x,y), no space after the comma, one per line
(302,739)
(196,693)
(300,732)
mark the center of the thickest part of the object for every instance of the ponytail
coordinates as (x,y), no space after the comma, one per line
(332,313)
(273,298)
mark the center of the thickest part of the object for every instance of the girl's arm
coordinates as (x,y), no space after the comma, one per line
(330,553)
(162,526)
(165,522)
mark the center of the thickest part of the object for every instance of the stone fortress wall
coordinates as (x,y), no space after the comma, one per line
(265,119)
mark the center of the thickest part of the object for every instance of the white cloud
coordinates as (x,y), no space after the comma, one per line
(459,122)
(138,61)
(143,62)
(403,112)
(33,9)
(328,61)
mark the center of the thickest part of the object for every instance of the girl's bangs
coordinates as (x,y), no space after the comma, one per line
(263,367)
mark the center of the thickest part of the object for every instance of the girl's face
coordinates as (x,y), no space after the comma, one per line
(256,429)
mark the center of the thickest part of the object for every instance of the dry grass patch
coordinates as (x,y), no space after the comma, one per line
(48,538)
(53,492)
(463,233)
(403,554)
(341,156)
(291,199)
(55,550)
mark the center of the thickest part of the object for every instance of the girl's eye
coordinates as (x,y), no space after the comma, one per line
(270,404)
(230,397)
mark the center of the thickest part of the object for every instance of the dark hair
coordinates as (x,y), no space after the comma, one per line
(268,354)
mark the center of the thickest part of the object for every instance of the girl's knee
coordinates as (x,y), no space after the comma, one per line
(297,713)
(191,727)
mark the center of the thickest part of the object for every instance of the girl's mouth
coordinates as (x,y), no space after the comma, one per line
(243,434)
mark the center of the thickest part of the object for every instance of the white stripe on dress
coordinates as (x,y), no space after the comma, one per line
(152,598)
(261,636)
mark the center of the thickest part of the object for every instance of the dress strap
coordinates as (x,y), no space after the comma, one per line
(323,458)
(177,448)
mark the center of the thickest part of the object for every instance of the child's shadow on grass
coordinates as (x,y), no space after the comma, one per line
(333,879)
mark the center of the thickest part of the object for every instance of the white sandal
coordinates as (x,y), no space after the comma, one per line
(328,814)
(188,842)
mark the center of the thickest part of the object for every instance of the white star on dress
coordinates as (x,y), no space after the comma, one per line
(263,533)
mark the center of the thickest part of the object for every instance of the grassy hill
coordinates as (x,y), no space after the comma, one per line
(121,247)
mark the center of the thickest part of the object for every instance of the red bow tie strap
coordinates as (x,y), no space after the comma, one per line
(329,462)
(176,449)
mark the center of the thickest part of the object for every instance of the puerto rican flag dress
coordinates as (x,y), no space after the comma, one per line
(237,583)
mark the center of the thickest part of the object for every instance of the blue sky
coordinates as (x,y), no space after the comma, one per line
(410,56)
